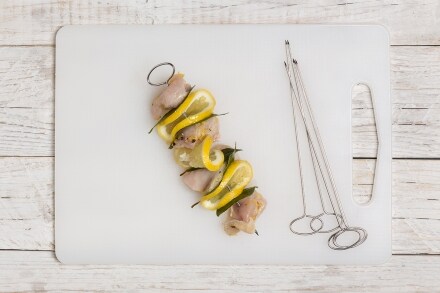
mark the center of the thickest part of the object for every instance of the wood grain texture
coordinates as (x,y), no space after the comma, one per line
(26,203)
(27,97)
(26,101)
(416,102)
(40,271)
(35,22)
(26,131)
(27,77)
(363,129)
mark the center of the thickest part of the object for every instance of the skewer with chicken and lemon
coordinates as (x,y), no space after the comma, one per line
(187,123)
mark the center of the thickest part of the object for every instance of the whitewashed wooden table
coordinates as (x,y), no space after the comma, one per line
(27,261)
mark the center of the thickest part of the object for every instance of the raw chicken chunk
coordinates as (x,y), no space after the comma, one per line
(198,180)
(243,215)
(171,97)
(192,135)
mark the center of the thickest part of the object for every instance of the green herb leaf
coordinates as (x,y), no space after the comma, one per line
(246,192)
(228,151)
(189,170)
(229,155)
(210,116)
(167,114)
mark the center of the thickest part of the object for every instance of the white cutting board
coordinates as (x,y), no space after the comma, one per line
(119,198)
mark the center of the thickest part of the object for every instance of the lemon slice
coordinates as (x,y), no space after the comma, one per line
(182,156)
(197,106)
(203,157)
(217,179)
(235,179)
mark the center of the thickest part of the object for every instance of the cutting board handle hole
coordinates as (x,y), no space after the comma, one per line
(364,143)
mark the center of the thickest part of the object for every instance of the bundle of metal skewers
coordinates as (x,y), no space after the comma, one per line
(330,203)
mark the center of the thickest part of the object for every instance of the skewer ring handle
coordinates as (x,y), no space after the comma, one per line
(314,231)
(157,66)
(333,240)
(319,217)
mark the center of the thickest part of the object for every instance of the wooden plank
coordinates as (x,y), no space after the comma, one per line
(26,104)
(26,131)
(26,203)
(26,101)
(25,271)
(416,205)
(35,22)
(416,102)
(27,77)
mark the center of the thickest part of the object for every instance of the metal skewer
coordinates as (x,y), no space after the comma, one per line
(319,229)
(304,214)
(320,163)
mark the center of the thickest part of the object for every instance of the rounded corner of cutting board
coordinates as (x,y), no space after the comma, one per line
(60,256)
